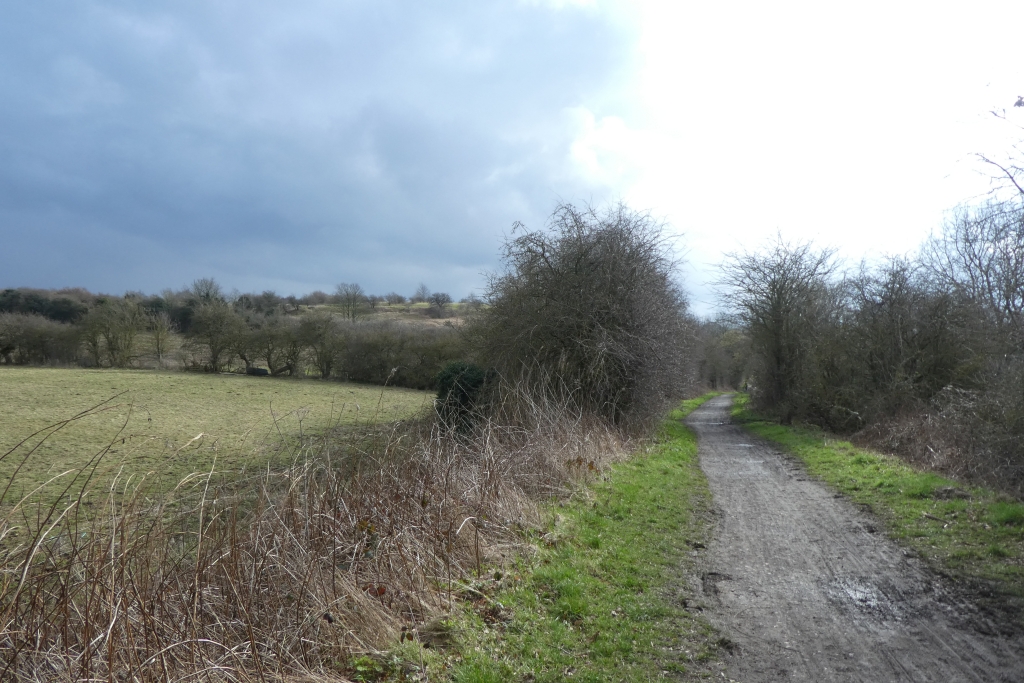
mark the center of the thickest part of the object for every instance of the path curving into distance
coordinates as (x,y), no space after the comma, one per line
(808,588)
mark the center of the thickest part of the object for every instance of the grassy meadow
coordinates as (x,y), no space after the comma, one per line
(168,425)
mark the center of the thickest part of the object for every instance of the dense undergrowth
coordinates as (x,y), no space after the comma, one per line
(969,532)
(919,355)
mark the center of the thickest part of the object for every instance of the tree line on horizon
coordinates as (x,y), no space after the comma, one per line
(70,304)
(203,328)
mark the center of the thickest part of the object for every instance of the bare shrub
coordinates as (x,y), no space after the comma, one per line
(316,298)
(471,303)
(965,434)
(66,306)
(905,340)
(286,573)
(982,430)
(723,354)
(588,308)
(979,259)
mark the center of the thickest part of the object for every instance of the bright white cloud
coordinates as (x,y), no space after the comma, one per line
(852,125)
(606,151)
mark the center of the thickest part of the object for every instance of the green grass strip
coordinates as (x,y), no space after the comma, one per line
(967,532)
(603,599)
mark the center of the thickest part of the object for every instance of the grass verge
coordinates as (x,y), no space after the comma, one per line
(969,533)
(604,597)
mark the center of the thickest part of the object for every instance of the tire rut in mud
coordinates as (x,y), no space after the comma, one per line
(806,588)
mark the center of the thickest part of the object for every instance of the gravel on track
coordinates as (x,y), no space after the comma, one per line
(806,587)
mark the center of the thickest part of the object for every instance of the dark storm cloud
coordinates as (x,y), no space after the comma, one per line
(287,145)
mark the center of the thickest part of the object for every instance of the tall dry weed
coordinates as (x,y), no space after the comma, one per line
(286,573)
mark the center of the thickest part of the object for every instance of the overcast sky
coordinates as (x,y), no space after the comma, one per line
(293,146)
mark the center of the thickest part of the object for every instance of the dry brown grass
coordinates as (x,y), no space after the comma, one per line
(286,574)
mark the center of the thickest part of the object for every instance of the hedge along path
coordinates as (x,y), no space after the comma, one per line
(808,589)
(605,597)
(172,424)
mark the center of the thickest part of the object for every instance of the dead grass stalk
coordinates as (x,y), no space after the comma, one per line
(288,573)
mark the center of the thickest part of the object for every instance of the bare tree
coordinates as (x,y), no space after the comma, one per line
(439,302)
(92,326)
(782,296)
(1009,169)
(278,344)
(161,326)
(246,342)
(980,256)
(422,294)
(350,297)
(319,332)
(206,290)
(118,323)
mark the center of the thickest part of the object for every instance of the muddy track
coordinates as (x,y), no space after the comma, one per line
(807,588)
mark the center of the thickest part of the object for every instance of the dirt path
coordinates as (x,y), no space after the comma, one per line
(808,589)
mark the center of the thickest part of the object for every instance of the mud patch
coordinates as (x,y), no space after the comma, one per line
(709,582)
(805,586)
(864,596)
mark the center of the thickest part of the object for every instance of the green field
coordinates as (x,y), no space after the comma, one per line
(168,425)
